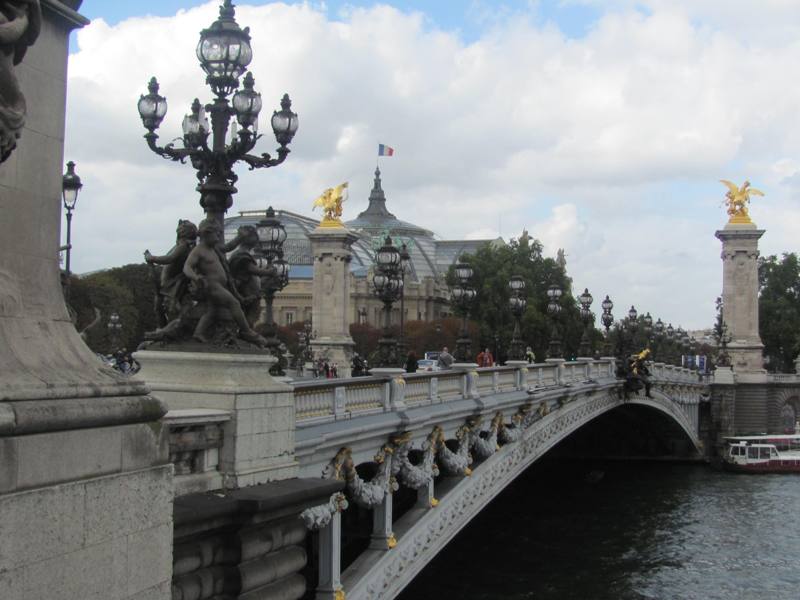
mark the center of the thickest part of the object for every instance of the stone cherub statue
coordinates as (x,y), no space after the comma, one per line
(737,200)
(171,286)
(246,272)
(211,282)
(331,203)
(20,21)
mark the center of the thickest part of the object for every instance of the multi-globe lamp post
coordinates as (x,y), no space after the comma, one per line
(632,326)
(269,257)
(224,53)
(607,319)
(306,335)
(388,287)
(114,326)
(648,329)
(517,303)
(658,330)
(554,309)
(405,269)
(670,337)
(463,294)
(585,300)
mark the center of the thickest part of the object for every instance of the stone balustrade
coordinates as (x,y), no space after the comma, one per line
(337,399)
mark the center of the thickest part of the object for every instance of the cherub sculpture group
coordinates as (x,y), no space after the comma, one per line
(203,295)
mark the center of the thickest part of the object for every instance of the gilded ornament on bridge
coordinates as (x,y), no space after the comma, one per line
(737,199)
(331,203)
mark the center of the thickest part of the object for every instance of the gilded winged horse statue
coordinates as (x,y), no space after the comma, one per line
(737,199)
(331,203)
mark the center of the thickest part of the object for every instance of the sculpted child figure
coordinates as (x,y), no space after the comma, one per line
(246,272)
(207,268)
(172,284)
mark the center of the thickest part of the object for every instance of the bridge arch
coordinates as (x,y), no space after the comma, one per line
(420,534)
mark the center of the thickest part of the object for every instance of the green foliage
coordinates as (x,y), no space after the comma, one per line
(493,267)
(779,310)
(128,290)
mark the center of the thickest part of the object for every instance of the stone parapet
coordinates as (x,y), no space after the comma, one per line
(247,543)
(259,436)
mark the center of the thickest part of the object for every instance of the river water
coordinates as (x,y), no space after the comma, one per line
(626,531)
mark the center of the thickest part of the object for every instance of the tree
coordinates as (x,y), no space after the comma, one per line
(493,267)
(129,291)
(779,310)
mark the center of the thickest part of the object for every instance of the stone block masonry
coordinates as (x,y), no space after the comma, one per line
(85,483)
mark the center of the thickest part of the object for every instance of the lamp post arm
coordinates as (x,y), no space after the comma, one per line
(169,152)
(265,160)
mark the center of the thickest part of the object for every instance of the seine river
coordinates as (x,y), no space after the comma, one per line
(654,531)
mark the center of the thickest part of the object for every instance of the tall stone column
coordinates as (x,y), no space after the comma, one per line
(85,484)
(740,295)
(332,249)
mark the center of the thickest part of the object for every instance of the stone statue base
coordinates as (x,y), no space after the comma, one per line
(258,442)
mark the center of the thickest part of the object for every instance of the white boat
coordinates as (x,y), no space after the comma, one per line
(763,454)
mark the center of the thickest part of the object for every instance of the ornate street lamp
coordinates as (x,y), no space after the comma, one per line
(585,300)
(517,303)
(631,326)
(70,186)
(608,320)
(269,257)
(553,309)
(405,268)
(670,333)
(114,326)
(658,328)
(388,287)
(306,335)
(463,295)
(224,52)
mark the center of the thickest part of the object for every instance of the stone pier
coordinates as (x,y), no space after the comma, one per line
(85,484)
(331,313)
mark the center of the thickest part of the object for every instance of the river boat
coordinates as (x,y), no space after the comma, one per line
(763,454)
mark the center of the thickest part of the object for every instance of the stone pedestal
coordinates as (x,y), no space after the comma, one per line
(85,483)
(258,441)
(330,294)
(740,294)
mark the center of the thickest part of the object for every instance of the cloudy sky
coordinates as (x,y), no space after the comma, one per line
(600,126)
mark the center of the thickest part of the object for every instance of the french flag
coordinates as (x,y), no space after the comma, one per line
(384,150)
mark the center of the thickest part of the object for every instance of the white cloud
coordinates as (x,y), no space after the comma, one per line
(609,146)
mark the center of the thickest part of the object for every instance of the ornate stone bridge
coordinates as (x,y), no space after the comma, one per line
(457,438)
(403,462)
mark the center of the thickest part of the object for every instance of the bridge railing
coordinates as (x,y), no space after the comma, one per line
(336,399)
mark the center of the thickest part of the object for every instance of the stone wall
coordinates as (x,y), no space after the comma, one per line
(247,544)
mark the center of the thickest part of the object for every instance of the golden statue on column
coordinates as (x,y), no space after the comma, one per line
(737,199)
(331,203)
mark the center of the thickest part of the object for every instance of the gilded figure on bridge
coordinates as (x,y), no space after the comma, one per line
(331,203)
(737,200)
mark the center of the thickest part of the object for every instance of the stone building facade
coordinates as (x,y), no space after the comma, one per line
(427,296)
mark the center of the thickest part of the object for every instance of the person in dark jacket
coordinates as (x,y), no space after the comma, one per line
(411,362)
